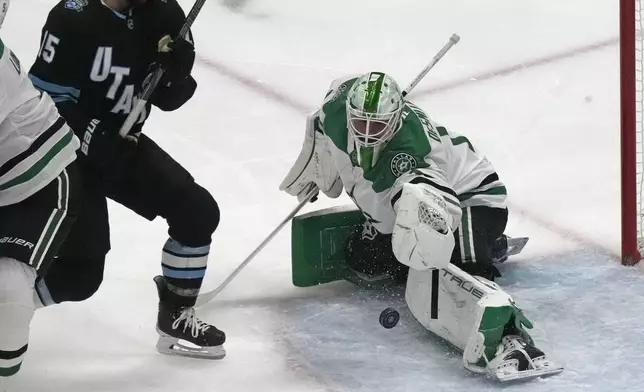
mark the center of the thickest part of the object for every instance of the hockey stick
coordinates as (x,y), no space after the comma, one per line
(210,295)
(453,40)
(207,297)
(157,74)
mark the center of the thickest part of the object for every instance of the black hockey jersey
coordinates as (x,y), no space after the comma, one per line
(93,60)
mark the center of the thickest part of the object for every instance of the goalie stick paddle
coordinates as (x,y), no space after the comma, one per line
(157,74)
(207,297)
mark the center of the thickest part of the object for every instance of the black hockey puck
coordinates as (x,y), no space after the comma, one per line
(389,318)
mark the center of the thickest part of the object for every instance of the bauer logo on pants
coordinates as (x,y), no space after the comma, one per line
(402,163)
(16,241)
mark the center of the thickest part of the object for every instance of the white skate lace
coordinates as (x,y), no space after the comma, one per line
(197,326)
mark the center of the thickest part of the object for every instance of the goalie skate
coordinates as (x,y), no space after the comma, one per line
(182,333)
(514,247)
(518,360)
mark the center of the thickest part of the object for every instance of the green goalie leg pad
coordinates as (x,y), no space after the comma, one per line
(318,242)
(498,322)
(492,326)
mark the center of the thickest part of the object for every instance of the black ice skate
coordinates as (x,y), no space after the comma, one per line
(517,359)
(177,326)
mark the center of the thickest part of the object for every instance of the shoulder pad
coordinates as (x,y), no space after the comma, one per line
(67,16)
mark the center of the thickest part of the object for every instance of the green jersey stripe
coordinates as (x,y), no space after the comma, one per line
(460,140)
(35,146)
(481,189)
(37,167)
(499,190)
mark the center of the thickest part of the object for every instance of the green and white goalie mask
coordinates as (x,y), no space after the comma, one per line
(374,108)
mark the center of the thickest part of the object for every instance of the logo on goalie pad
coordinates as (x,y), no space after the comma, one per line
(401,163)
(76,5)
(463,284)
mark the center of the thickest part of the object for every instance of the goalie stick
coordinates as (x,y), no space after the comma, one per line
(453,40)
(204,298)
(157,74)
(207,297)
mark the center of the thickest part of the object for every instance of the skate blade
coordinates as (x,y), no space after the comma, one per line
(173,346)
(505,376)
(515,246)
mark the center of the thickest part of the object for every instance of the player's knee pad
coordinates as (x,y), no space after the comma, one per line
(74,280)
(85,285)
(195,219)
(16,311)
(472,313)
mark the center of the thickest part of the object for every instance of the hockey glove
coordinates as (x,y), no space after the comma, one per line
(313,167)
(177,58)
(104,148)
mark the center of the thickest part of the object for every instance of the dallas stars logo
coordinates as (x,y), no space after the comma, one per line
(402,163)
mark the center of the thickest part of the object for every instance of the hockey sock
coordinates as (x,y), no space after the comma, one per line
(184,268)
(16,311)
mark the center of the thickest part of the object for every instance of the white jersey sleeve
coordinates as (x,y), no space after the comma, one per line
(35,142)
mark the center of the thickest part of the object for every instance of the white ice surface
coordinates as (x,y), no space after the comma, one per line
(551,131)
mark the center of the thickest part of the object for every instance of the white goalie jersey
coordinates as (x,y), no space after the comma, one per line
(35,142)
(419,181)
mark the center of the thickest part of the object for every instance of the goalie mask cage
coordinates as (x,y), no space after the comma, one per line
(631,104)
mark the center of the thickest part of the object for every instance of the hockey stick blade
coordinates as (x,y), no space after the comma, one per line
(136,111)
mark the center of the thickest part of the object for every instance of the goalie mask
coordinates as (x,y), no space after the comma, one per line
(374,106)
(4,8)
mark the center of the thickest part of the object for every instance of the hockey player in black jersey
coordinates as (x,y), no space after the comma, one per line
(93,61)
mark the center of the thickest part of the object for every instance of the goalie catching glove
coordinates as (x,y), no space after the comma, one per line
(423,235)
(314,167)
